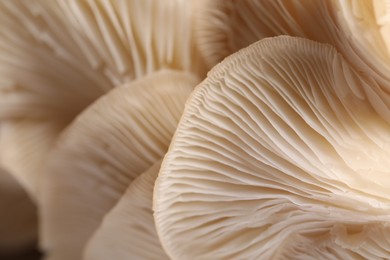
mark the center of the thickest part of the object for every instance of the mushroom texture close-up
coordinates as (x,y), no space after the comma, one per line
(278,162)
(129,230)
(281,153)
(102,152)
(357,29)
(58,56)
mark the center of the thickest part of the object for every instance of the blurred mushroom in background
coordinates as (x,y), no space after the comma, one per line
(110,144)
(128,230)
(57,57)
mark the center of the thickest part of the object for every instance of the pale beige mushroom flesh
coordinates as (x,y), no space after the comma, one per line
(357,29)
(128,230)
(280,154)
(57,57)
(111,143)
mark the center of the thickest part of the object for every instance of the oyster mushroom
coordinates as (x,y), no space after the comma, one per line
(223,27)
(280,154)
(128,230)
(110,144)
(57,57)
(357,29)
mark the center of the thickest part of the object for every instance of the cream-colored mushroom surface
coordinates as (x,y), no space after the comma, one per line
(57,57)
(111,143)
(24,145)
(225,26)
(280,154)
(128,230)
(357,29)
(368,23)
(18,217)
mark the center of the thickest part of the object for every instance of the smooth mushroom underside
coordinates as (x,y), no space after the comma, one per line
(271,160)
(128,230)
(66,54)
(111,143)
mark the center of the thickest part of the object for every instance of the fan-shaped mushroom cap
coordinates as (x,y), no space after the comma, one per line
(225,26)
(57,57)
(98,156)
(128,230)
(18,219)
(280,152)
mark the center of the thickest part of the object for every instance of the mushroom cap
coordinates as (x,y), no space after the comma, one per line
(128,230)
(110,144)
(18,218)
(280,153)
(223,27)
(57,57)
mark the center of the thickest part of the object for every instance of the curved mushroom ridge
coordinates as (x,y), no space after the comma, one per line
(112,142)
(225,26)
(279,153)
(57,57)
(128,230)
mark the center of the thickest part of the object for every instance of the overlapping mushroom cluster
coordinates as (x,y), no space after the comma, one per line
(129,151)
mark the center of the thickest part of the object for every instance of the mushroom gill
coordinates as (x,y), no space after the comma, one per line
(280,154)
(128,230)
(57,57)
(223,27)
(96,158)
(357,29)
